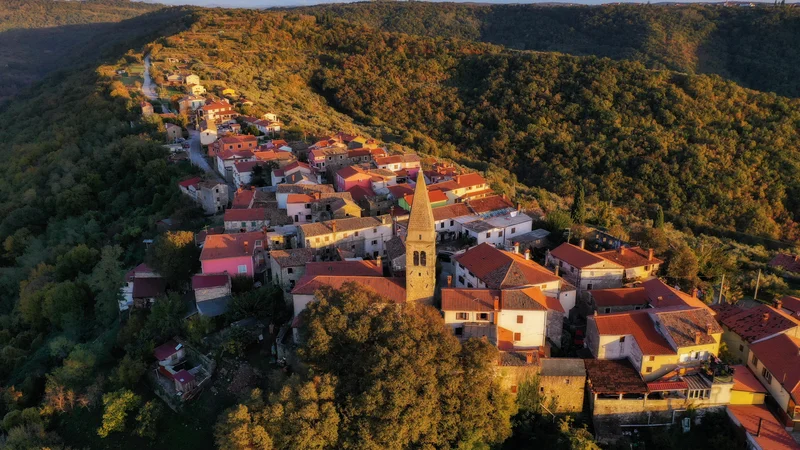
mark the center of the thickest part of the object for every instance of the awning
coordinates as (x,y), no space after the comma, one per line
(660,386)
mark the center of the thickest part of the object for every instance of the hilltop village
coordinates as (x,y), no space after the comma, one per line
(590,318)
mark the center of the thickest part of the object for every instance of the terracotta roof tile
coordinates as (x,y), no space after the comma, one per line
(292,257)
(744,380)
(390,288)
(759,322)
(639,325)
(482,300)
(613,376)
(149,287)
(165,350)
(501,269)
(451,211)
(220,246)
(205,281)
(344,268)
(342,225)
(630,257)
(619,297)
(662,296)
(781,356)
(578,257)
(772,436)
(469,179)
(791,304)
(532,299)
(189,182)
(244,215)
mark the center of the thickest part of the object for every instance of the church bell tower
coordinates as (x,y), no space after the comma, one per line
(421,247)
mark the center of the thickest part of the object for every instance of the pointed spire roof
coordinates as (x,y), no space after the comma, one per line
(421,212)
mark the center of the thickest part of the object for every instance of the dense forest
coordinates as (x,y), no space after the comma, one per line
(86,181)
(710,152)
(752,46)
(40,36)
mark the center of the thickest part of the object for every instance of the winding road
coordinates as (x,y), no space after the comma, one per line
(148,87)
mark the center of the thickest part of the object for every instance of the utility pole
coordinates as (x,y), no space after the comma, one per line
(721,288)
(758,281)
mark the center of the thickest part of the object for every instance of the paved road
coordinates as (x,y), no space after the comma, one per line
(196,154)
(148,87)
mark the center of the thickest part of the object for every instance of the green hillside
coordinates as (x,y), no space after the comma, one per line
(753,46)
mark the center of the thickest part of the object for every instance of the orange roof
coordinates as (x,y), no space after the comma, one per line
(791,304)
(531,298)
(489,204)
(234,139)
(772,436)
(630,257)
(299,198)
(781,356)
(433,196)
(663,296)
(745,381)
(443,186)
(500,269)
(619,297)
(241,215)
(469,179)
(390,288)
(469,299)
(578,257)
(344,268)
(219,246)
(270,155)
(639,325)
(189,182)
(450,211)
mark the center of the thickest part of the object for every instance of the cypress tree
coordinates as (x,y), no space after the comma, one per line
(579,206)
(659,222)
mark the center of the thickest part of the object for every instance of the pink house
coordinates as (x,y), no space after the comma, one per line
(352,176)
(236,254)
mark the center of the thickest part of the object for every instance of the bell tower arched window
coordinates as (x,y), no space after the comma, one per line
(416,258)
(423,259)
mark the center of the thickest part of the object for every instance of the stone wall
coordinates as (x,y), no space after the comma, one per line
(555,327)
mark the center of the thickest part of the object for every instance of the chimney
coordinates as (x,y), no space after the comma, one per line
(449,281)
(529,357)
(516,247)
(497,303)
(519,207)
(778,304)
(333,226)
(709,329)
(595,313)
(697,336)
(555,271)
(239,190)
(582,243)
(659,299)
(379,262)
(765,317)
(246,245)
(621,250)
(528,254)
(650,254)
(694,292)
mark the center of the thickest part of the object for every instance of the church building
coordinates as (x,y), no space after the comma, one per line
(421,248)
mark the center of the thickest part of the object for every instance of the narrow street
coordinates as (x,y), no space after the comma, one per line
(148,87)
(197,158)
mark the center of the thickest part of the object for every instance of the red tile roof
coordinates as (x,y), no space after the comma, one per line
(446,186)
(578,257)
(189,182)
(451,211)
(657,386)
(247,166)
(790,263)
(351,172)
(482,300)
(244,215)
(165,350)
(400,190)
(501,269)
(619,297)
(344,268)
(299,198)
(360,192)
(791,304)
(613,376)
(639,325)
(205,281)
(744,380)
(469,179)
(489,204)
(759,322)
(685,326)
(772,436)
(630,258)
(531,298)
(236,139)
(390,288)
(781,356)
(219,246)
(236,154)
(663,296)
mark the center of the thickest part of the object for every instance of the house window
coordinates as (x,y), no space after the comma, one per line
(462,316)
(375,242)
(767,376)
(423,258)
(649,370)
(513,230)
(646,268)
(488,235)
(755,361)
(441,225)
(308,205)
(572,269)
(317,240)
(253,224)
(517,337)
(589,286)
(289,270)
(483,316)
(622,339)
(308,216)
(327,238)
(514,389)
(499,234)
(519,319)
(356,234)
(461,280)
(469,285)
(651,358)
(416,258)
(452,222)
(741,347)
(459,331)
(244,224)
(375,230)
(243,269)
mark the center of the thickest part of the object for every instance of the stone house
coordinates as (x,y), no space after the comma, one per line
(288,266)
(212,292)
(363,236)
(584,269)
